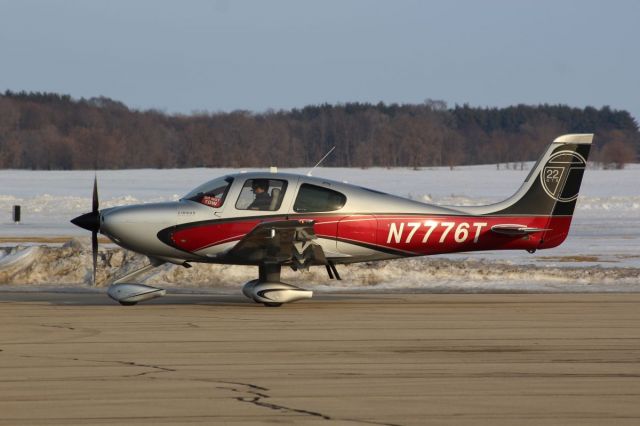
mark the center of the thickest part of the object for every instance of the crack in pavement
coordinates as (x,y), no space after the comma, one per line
(249,392)
(154,368)
(65,327)
(258,395)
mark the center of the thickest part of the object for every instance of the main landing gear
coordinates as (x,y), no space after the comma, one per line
(270,291)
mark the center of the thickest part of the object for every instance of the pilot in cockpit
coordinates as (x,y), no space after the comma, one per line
(262,201)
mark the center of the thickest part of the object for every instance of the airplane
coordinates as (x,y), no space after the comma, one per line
(273,220)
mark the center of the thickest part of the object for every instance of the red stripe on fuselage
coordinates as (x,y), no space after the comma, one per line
(415,234)
(204,235)
(446,234)
(201,236)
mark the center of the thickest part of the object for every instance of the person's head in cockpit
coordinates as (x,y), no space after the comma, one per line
(262,199)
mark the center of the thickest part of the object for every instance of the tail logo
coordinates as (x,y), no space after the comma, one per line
(559,174)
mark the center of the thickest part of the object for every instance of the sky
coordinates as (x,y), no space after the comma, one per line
(224,55)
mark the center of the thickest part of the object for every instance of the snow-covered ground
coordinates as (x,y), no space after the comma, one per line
(603,247)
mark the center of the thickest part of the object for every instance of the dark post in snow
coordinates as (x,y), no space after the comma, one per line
(16,214)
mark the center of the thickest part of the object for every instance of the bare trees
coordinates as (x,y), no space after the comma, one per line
(40,130)
(618,152)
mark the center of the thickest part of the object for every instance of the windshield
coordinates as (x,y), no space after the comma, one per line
(211,193)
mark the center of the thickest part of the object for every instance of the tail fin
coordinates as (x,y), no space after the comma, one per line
(551,189)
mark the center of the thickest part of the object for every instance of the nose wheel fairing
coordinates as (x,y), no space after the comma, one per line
(130,294)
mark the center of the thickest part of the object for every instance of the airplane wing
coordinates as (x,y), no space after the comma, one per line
(283,241)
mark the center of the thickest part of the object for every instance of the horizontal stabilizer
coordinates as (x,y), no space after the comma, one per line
(511,229)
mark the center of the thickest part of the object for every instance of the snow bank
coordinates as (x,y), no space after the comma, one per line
(71,265)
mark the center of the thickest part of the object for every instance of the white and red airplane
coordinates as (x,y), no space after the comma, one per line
(275,219)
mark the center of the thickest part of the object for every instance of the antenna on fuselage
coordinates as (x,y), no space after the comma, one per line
(321,160)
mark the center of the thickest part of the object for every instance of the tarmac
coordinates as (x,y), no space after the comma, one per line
(349,359)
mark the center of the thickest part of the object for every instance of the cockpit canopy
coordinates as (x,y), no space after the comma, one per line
(212,193)
(267,194)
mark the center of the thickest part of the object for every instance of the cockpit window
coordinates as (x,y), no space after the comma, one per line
(312,198)
(261,194)
(212,193)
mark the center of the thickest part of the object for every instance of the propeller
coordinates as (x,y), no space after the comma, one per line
(91,222)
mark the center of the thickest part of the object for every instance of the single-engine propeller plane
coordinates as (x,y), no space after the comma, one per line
(272,220)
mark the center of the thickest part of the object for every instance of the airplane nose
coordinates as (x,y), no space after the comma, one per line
(120,222)
(136,227)
(89,221)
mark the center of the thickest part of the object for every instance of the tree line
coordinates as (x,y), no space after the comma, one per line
(53,131)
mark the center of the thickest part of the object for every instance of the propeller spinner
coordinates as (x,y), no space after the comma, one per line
(91,222)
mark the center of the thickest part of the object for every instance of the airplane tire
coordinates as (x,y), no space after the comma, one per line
(128,303)
(272,305)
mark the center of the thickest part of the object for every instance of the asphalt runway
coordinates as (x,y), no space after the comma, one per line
(396,359)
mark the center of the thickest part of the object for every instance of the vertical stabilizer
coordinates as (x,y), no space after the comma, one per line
(552,186)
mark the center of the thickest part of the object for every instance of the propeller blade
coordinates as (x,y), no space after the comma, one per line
(91,222)
(96,204)
(94,250)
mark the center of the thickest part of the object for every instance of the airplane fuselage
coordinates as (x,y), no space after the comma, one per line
(370,226)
